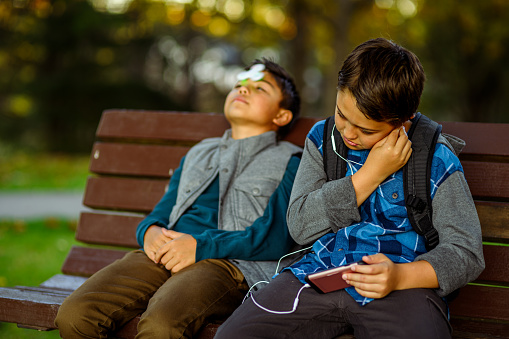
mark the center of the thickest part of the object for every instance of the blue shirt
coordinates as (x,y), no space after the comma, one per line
(384,226)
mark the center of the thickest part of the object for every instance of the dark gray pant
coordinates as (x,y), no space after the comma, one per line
(415,313)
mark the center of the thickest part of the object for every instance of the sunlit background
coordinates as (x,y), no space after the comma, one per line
(62,62)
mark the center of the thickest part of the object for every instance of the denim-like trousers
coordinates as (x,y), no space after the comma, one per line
(172,305)
(407,314)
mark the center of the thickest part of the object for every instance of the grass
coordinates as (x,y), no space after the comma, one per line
(25,171)
(32,251)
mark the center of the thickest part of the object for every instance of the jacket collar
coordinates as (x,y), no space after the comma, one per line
(251,145)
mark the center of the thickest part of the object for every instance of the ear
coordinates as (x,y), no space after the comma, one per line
(283,117)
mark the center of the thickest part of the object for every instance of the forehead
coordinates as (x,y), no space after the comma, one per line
(347,105)
(270,78)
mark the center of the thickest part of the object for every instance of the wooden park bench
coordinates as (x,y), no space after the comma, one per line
(136,153)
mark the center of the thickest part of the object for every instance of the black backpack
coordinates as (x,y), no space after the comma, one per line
(416,173)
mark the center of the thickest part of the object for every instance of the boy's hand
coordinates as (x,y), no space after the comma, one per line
(381,276)
(153,239)
(377,279)
(177,253)
(386,157)
(389,154)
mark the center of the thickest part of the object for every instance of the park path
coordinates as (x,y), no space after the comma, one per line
(33,205)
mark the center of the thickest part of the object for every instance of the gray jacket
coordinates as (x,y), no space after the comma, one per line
(316,209)
(249,172)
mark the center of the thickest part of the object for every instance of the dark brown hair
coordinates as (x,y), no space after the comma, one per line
(386,80)
(291,97)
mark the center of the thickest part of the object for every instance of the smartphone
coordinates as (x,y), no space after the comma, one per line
(332,279)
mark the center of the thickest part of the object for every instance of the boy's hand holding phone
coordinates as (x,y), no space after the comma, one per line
(332,279)
(376,279)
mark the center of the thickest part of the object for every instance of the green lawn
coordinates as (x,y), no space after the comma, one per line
(32,251)
(25,171)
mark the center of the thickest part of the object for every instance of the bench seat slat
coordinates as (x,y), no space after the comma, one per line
(63,282)
(32,309)
(140,160)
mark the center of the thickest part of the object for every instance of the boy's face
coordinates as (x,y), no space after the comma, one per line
(255,105)
(358,132)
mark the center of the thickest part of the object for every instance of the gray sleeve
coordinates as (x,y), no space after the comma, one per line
(458,258)
(318,207)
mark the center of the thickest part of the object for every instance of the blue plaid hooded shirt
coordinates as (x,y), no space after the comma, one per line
(384,226)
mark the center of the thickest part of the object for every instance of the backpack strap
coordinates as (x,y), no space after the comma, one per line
(417,175)
(333,165)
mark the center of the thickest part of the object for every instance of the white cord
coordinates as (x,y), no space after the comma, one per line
(284,256)
(249,292)
(339,155)
(295,303)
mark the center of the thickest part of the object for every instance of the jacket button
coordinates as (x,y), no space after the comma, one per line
(256,191)
(395,195)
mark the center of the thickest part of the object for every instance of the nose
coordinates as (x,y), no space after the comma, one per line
(243,90)
(349,131)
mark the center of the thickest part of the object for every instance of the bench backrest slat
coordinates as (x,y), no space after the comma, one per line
(484,139)
(127,194)
(108,229)
(135,160)
(150,125)
(85,261)
(487,179)
(494,217)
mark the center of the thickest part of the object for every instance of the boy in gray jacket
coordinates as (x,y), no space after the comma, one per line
(218,229)
(400,292)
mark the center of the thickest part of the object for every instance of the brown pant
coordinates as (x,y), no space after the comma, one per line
(172,306)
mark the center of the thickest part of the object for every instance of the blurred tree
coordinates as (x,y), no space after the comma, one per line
(463,46)
(62,62)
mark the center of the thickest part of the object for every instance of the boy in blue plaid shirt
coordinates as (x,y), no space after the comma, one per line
(401,291)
